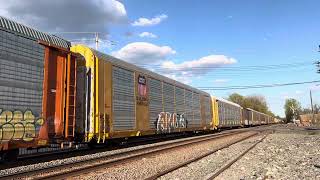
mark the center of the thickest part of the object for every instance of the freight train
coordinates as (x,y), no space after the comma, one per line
(52,92)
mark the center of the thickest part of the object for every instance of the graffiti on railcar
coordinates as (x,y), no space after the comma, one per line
(18,125)
(142,96)
(168,122)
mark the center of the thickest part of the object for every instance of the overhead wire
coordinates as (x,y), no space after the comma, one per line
(257,86)
(217,67)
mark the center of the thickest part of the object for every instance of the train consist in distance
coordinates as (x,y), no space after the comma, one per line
(52,92)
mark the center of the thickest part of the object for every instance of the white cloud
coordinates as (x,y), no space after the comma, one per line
(221,80)
(202,65)
(148,34)
(62,15)
(144,53)
(179,78)
(156,58)
(149,22)
(196,68)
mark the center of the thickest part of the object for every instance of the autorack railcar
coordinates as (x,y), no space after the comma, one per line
(34,87)
(53,93)
(124,100)
(229,113)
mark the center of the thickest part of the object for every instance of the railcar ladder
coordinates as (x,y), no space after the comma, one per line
(71,97)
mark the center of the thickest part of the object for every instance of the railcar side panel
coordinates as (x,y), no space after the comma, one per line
(196,108)
(180,102)
(123,101)
(229,114)
(155,102)
(188,104)
(207,111)
(21,91)
(142,105)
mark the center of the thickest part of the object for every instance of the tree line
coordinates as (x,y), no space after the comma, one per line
(255,102)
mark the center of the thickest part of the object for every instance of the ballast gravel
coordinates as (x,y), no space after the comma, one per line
(203,168)
(281,155)
(79,158)
(150,165)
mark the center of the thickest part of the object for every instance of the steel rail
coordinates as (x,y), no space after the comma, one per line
(167,171)
(83,167)
(225,167)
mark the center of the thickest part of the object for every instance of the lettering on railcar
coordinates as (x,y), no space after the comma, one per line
(168,122)
(18,125)
(142,96)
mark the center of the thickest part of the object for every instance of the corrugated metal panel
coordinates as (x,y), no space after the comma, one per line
(196,110)
(222,113)
(123,99)
(155,96)
(179,94)
(168,97)
(188,106)
(229,114)
(207,107)
(15,27)
(21,73)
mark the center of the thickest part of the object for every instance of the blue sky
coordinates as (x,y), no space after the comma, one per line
(182,38)
(255,33)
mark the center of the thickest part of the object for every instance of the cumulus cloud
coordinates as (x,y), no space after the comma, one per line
(62,15)
(196,68)
(149,22)
(202,65)
(179,78)
(156,58)
(148,35)
(144,53)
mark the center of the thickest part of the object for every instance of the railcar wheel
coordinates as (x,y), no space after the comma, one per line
(10,155)
(93,143)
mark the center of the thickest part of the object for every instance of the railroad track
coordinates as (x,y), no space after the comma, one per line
(217,173)
(34,158)
(225,167)
(66,170)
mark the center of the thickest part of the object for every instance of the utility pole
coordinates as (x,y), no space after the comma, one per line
(97,40)
(293,112)
(312,121)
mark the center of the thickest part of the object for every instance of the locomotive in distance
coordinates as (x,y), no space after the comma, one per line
(52,92)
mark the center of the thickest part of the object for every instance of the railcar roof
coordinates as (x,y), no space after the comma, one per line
(227,101)
(125,64)
(31,33)
(257,111)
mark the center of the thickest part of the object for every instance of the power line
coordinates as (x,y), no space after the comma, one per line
(215,73)
(217,67)
(256,86)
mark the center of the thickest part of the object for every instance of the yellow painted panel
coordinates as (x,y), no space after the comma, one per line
(215,112)
(90,60)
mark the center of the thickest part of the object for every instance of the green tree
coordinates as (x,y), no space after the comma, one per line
(256,102)
(237,98)
(289,104)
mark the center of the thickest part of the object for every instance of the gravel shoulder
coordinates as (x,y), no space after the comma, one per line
(281,155)
(203,168)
